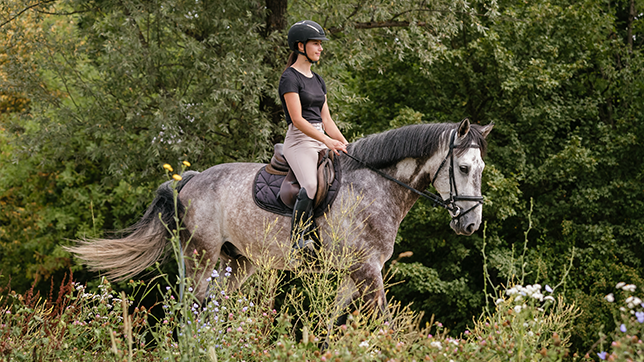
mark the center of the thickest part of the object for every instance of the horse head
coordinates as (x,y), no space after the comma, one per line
(458,178)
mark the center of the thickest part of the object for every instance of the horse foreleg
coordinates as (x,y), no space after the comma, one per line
(368,280)
(347,293)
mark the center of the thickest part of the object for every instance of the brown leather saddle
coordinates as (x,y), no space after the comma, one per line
(290,187)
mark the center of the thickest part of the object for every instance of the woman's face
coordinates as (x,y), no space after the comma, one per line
(314,49)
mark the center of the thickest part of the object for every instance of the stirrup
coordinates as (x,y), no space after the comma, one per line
(307,246)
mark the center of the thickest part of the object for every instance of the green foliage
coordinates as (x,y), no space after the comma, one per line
(94,99)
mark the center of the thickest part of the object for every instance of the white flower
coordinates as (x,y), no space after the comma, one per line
(620,285)
(610,298)
(549,297)
(633,301)
(629,287)
(549,289)
(511,291)
(530,333)
(437,344)
(538,296)
(364,344)
(517,309)
(499,301)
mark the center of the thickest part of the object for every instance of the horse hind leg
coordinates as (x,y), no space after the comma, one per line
(234,270)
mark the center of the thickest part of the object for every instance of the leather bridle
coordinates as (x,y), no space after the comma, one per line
(449,204)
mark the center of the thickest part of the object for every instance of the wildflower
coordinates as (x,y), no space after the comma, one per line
(620,285)
(167,167)
(538,296)
(549,297)
(176,177)
(214,274)
(517,309)
(499,301)
(622,328)
(549,289)
(629,287)
(240,329)
(640,316)
(364,344)
(186,163)
(610,298)
(602,355)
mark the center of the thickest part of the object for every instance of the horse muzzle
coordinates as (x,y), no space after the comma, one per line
(466,224)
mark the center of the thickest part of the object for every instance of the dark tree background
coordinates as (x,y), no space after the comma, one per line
(96,95)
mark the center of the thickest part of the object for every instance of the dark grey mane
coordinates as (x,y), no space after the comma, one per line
(384,149)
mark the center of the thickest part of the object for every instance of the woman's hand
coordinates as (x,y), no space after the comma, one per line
(335,145)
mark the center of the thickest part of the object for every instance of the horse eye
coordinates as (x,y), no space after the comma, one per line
(464,169)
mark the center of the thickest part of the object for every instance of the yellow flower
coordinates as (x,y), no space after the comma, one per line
(176,177)
(186,163)
(167,167)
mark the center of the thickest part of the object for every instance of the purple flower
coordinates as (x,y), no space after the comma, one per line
(602,355)
(622,328)
(548,289)
(640,316)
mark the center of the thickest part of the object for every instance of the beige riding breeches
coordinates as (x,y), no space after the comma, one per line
(301,153)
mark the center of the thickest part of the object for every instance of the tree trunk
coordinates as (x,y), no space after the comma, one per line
(275,21)
(631,17)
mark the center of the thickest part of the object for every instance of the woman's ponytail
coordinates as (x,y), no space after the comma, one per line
(291,60)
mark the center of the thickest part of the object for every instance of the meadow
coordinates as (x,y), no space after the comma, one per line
(284,316)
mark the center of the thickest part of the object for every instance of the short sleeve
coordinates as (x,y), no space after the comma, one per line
(322,83)
(288,83)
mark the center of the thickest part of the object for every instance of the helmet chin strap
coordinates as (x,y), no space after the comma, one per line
(307,57)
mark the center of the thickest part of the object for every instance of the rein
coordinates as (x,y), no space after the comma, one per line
(449,204)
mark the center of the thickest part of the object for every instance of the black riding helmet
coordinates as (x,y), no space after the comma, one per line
(303,31)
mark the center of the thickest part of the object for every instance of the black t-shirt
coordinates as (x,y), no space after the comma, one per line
(311,90)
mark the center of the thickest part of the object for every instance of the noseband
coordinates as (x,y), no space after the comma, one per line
(449,204)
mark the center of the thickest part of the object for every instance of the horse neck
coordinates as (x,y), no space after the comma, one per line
(398,200)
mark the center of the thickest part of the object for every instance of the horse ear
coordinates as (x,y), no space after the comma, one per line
(463,128)
(486,129)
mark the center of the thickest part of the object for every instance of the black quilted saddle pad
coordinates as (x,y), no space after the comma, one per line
(266,192)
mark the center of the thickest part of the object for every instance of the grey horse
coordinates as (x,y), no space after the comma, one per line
(225,224)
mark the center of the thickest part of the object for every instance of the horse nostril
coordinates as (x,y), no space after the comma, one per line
(470,228)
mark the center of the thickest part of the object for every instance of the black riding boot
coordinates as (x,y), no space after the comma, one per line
(301,223)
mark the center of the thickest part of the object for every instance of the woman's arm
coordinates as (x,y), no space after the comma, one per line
(294,107)
(329,125)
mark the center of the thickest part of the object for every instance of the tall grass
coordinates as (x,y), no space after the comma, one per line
(524,323)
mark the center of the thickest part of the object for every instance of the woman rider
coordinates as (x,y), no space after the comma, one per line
(303,96)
